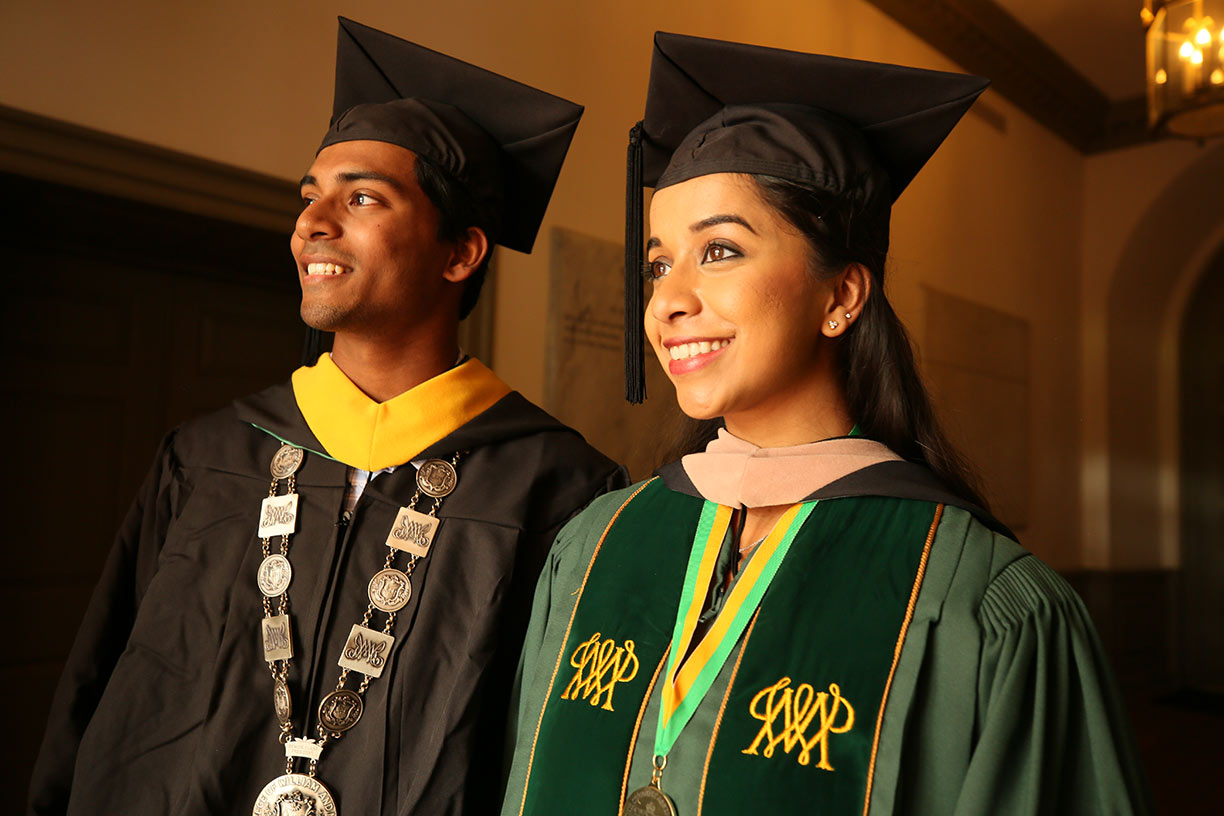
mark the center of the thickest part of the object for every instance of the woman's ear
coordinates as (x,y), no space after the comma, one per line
(850,291)
(470,250)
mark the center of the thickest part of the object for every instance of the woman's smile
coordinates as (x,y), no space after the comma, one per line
(689,354)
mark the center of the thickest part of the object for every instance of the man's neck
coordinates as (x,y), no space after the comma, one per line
(383,370)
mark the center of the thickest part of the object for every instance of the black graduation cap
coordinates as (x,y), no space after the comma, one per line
(848,127)
(503,140)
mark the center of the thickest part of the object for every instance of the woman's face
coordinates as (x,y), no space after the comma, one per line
(735,315)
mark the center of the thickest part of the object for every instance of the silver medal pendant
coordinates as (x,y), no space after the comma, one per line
(282,702)
(275,573)
(286,461)
(649,801)
(294,795)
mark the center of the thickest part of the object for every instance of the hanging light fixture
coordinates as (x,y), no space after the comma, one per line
(1185,66)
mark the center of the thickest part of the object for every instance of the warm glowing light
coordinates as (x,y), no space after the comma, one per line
(1185,66)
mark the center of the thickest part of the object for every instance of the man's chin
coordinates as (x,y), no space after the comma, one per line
(324,318)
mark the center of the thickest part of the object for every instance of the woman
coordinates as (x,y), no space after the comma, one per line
(815,614)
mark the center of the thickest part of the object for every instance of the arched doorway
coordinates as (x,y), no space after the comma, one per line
(1159,265)
(1199,656)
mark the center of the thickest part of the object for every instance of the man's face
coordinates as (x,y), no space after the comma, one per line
(366,244)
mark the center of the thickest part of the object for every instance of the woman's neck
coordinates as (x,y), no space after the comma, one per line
(793,420)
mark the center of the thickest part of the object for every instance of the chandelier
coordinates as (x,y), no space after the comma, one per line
(1185,66)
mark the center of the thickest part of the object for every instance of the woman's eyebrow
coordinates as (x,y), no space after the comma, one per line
(715,220)
(652,243)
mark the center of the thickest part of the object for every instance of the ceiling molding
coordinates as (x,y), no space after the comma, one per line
(984,39)
(51,150)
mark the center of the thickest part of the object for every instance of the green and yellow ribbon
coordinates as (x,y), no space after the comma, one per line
(686,682)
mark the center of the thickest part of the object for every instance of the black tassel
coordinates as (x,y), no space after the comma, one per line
(635,372)
(312,347)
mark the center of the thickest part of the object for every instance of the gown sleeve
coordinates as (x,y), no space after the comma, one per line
(104,631)
(555,596)
(1052,736)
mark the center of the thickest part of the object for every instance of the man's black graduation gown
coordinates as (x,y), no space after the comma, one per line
(165,705)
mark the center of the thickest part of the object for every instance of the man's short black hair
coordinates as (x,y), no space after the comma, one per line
(457,212)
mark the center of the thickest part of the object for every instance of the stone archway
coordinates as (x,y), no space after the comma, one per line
(1162,260)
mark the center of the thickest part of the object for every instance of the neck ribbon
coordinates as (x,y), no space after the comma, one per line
(687,681)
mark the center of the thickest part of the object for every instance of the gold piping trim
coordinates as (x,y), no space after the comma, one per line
(909,615)
(723,707)
(620,808)
(557,666)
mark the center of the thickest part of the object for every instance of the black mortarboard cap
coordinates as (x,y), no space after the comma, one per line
(852,128)
(503,140)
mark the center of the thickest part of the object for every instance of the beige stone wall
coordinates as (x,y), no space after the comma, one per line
(1006,216)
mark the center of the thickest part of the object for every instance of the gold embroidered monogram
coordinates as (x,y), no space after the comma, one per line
(600,666)
(788,713)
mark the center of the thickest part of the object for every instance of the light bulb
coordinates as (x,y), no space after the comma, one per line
(1161,77)
(1186,50)
(1203,37)
(1197,57)
(1217,77)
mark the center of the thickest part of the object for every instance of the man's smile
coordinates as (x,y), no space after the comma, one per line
(327,269)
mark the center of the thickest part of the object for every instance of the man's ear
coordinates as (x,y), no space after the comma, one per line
(469,251)
(848,298)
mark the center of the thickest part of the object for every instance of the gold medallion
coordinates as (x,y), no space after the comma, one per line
(390,590)
(294,795)
(436,478)
(649,801)
(286,461)
(340,710)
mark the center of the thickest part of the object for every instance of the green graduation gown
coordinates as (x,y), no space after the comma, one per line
(1000,699)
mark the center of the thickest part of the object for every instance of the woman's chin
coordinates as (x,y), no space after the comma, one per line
(697,408)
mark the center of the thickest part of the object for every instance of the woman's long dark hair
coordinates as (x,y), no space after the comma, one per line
(884,392)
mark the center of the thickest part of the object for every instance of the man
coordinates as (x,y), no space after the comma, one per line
(318,598)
